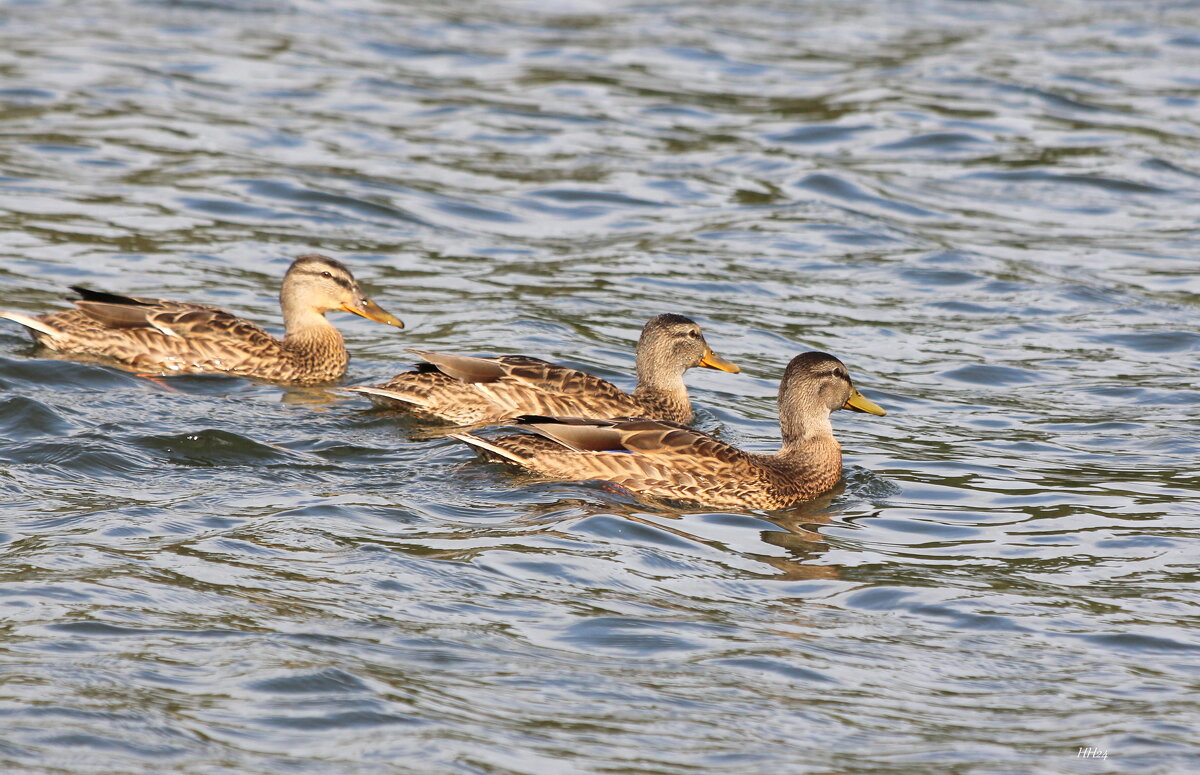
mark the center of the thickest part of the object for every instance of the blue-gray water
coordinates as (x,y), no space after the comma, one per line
(989,211)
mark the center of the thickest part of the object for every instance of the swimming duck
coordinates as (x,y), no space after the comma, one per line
(160,336)
(470,391)
(670,461)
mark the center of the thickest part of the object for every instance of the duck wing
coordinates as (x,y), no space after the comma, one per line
(646,457)
(470,390)
(183,320)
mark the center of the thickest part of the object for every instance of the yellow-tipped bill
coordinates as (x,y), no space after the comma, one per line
(372,311)
(713,361)
(860,403)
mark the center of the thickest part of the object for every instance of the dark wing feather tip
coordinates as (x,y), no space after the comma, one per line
(104,297)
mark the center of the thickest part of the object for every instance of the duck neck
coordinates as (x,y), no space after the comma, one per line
(312,338)
(299,317)
(800,431)
(656,388)
(808,444)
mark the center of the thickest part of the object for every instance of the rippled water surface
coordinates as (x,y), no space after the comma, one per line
(988,210)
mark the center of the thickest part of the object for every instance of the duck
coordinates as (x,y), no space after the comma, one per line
(162,337)
(659,460)
(479,391)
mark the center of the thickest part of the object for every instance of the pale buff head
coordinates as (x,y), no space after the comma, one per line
(815,385)
(669,346)
(315,284)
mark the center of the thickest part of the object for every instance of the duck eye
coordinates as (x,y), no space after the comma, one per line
(327,274)
(694,334)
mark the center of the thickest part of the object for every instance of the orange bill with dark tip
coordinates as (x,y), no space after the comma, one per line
(372,311)
(713,361)
(859,403)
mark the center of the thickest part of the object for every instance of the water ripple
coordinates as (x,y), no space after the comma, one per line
(987,210)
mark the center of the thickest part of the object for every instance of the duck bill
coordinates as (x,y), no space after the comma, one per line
(713,361)
(372,311)
(857,402)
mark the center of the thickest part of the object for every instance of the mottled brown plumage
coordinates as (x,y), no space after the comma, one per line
(470,391)
(160,336)
(671,461)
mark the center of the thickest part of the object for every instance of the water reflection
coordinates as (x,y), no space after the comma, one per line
(313,399)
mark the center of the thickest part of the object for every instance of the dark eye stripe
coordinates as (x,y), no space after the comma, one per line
(342,281)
